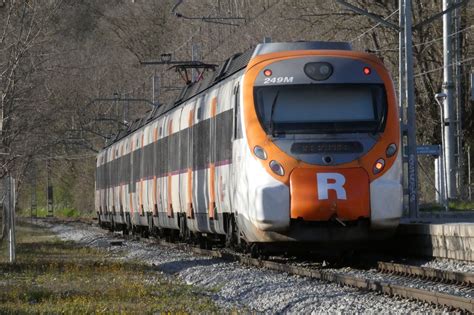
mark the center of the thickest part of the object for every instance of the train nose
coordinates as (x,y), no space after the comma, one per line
(319,195)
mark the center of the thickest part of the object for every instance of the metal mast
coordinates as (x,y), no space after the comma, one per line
(411,115)
(448,86)
(459,100)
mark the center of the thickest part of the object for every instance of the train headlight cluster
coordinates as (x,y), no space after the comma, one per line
(260,152)
(318,71)
(378,166)
(391,150)
(277,168)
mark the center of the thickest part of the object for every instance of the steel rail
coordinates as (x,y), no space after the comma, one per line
(463,278)
(385,287)
(456,302)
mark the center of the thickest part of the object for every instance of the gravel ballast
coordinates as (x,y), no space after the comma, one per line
(235,286)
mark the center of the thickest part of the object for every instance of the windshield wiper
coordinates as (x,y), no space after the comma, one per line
(271,113)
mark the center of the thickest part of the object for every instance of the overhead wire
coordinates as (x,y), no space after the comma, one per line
(440,38)
(184,43)
(374,27)
(67,157)
(427,42)
(440,68)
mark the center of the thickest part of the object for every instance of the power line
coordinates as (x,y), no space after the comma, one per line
(183,44)
(427,42)
(67,157)
(440,38)
(374,27)
(440,68)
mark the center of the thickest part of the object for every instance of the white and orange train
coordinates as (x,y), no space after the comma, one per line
(288,142)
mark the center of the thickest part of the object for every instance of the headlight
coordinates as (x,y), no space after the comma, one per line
(260,152)
(391,150)
(277,168)
(318,71)
(378,166)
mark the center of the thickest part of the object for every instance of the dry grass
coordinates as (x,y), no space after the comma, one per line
(52,276)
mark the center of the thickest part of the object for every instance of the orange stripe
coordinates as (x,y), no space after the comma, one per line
(190,212)
(170,203)
(212,170)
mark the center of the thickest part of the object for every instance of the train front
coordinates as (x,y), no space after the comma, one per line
(322,126)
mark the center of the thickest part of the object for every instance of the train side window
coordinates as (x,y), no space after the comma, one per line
(237,131)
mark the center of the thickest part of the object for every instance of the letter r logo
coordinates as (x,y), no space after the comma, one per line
(331,181)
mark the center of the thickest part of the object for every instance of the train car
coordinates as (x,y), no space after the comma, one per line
(287,142)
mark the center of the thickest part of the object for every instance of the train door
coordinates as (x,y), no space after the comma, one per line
(168,219)
(141,159)
(113,175)
(216,166)
(109,186)
(149,178)
(174,160)
(127,175)
(161,155)
(99,184)
(200,163)
(154,169)
(113,179)
(163,182)
(185,169)
(223,153)
(134,170)
(211,184)
(121,176)
(238,187)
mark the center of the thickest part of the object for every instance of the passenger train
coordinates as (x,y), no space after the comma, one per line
(286,143)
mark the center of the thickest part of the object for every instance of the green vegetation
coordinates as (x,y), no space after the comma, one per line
(59,213)
(52,276)
(461,205)
(453,206)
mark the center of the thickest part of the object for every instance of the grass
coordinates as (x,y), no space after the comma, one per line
(453,206)
(53,276)
(58,213)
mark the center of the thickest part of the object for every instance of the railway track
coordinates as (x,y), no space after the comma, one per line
(392,279)
(397,279)
(461,278)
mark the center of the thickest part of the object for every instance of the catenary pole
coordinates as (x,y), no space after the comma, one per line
(407,88)
(448,103)
(411,115)
(401,63)
(10,196)
(459,102)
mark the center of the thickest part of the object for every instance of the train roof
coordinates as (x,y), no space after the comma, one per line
(229,67)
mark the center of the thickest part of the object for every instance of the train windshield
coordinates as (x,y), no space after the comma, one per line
(321,108)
